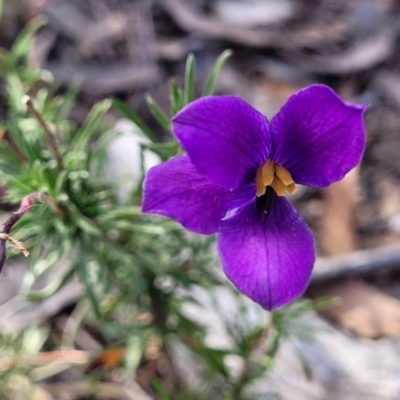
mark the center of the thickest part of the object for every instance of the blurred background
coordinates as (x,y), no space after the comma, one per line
(113,304)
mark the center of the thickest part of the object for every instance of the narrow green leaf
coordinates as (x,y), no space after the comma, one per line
(190,76)
(59,185)
(214,72)
(128,113)
(164,150)
(122,212)
(176,98)
(53,287)
(215,359)
(7,62)
(134,353)
(90,124)
(1,8)
(84,274)
(128,226)
(68,101)
(97,156)
(24,188)
(22,44)
(158,113)
(86,224)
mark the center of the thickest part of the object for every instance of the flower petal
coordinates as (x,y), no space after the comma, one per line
(268,257)
(225,138)
(176,190)
(317,137)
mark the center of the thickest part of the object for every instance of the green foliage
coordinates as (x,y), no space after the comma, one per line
(158,113)
(178,97)
(16,350)
(129,264)
(190,76)
(129,114)
(214,72)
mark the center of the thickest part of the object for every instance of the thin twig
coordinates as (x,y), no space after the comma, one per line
(11,145)
(359,263)
(49,134)
(52,204)
(26,205)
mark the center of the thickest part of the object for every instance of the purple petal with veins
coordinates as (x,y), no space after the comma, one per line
(225,138)
(318,137)
(268,257)
(176,190)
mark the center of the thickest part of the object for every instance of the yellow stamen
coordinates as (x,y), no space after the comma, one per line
(268,172)
(276,176)
(260,187)
(291,188)
(283,175)
(278,186)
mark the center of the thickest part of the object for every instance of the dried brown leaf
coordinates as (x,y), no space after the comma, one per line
(337,227)
(362,309)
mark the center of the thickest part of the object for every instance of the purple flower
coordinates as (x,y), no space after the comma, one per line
(234,176)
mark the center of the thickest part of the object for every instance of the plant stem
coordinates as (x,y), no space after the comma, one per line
(11,145)
(49,134)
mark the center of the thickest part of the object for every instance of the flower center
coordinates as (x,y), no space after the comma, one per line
(272,174)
